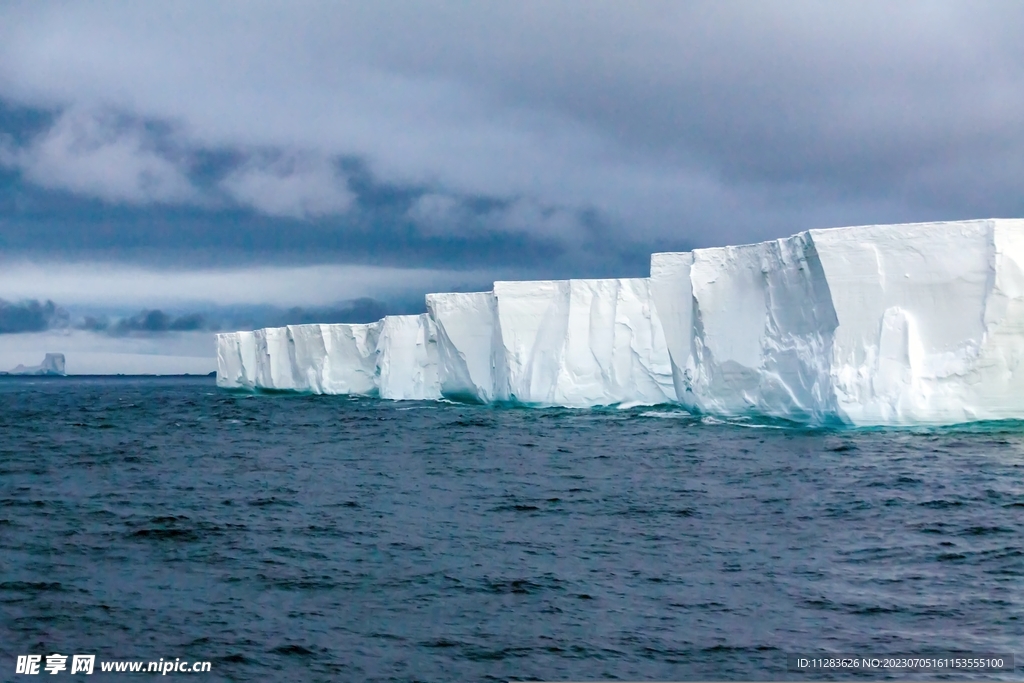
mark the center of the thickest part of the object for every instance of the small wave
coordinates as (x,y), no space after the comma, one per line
(750,423)
(668,414)
(297,650)
(757,426)
(167,534)
(442,643)
(520,507)
(31,586)
(629,405)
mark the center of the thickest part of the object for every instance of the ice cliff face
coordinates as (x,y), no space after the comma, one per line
(872,325)
(582,343)
(407,358)
(350,359)
(875,325)
(566,343)
(931,320)
(394,358)
(748,328)
(470,355)
(323,359)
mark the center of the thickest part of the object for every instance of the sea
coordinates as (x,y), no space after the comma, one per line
(324,538)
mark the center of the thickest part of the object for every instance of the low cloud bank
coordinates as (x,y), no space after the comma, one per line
(34,316)
(31,316)
(151,321)
(364,310)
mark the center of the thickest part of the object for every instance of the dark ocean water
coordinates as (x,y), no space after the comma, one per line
(301,538)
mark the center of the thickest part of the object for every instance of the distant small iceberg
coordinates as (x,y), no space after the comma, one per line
(52,365)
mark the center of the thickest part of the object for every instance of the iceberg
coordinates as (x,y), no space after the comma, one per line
(230,369)
(275,359)
(580,343)
(573,343)
(874,325)
(748,328)
(931,321)
(349,364)
(471,365)
(322,359)
(236,360)
(53,365)
(407,358)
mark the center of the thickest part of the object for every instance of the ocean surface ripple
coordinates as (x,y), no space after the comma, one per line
(314,538)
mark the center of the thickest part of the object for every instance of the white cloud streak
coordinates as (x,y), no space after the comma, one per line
(113,284)
(91,153)
(295,186)
(440,214)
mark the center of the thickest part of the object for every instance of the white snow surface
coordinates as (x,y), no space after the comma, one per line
(875,325)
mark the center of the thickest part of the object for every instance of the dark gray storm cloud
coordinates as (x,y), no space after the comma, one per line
(33,316)
(149,321)
(30,316)
(363,310)
(556,137)
(387,225)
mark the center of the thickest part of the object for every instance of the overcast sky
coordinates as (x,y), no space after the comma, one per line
(297,154)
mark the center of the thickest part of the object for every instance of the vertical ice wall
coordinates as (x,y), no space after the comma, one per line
(306,353)
(615,346)
(471,363)
(929,320)
(350,363)
(903,324)
(247,353)
(407,358)
(330,359)
(672,296)
(1000,365)
(274,359)
(583,343)
(762,329)
(893,324)
(333,358)
(532,320)
(748,328)
(230,368)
